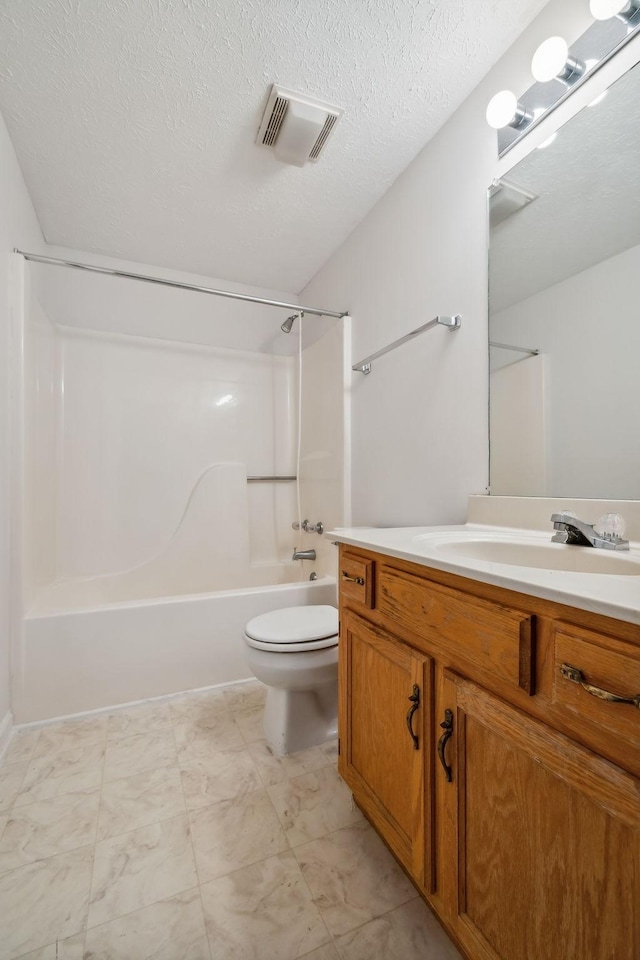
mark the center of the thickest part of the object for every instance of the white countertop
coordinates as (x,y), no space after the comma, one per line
(608,594)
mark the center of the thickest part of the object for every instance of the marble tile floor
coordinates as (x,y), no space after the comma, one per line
(170,832)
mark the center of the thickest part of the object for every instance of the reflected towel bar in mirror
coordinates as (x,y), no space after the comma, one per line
(508,346)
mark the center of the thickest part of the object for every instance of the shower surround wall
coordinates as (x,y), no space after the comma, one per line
(42,414)
(119,432)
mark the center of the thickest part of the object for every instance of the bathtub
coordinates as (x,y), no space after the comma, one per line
(91,644)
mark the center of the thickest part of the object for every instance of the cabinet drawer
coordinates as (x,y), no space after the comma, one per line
(475,635)
(584,660)
(357,578)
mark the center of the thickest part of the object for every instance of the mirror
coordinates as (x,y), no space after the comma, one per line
(564,272)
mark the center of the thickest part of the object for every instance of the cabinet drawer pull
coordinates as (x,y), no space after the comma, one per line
(447,726)
(358,580)
(577,676)
(415,703)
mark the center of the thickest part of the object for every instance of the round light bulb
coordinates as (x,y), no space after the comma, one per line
(502,109)
(605,9)
(549,59)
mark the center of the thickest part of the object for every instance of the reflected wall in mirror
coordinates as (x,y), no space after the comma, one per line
(564,271)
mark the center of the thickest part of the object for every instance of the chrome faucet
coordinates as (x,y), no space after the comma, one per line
(303,555)
(574,531)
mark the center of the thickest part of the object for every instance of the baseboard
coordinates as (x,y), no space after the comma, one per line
(6,729)
(114,708)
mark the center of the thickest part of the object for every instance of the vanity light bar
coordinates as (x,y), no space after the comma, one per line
(601,41)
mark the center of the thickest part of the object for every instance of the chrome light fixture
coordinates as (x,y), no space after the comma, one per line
(504,110)
(552,61)
(559,69)
(624,10)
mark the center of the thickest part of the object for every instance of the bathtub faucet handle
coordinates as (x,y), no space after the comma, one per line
(313,527)
(308,527)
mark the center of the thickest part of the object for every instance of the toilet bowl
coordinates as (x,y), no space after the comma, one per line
(294,652)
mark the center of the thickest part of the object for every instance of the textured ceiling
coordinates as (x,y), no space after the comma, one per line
(588,206)
(135,120)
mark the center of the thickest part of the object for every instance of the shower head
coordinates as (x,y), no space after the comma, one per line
(286,326)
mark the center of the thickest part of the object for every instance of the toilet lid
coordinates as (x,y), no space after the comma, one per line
(295,625)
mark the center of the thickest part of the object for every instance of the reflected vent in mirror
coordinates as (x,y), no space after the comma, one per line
(506,199)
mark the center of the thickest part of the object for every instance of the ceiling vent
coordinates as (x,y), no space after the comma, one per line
(296,127)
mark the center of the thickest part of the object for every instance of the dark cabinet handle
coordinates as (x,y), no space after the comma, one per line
(415,703)
(577,676)
(447,726)
(348,579)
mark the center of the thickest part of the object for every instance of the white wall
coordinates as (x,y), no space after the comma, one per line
(324,460)
(419,420)
(18,226)
(518,428)
(592,440)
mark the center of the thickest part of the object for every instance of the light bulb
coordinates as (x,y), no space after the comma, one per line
(605,9)
(549,59)
(502,109)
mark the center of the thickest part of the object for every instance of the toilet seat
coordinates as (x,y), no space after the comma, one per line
(294,629)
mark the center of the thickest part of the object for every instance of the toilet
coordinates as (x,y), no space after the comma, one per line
(294,652)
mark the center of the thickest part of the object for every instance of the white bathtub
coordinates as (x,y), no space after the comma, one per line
(86,645)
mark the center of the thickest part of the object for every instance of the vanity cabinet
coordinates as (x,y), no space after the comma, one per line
(387,736)
(516,809)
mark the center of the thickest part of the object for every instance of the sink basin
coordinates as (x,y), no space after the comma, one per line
(531,553)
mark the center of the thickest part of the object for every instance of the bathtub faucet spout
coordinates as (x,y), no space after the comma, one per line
(304,555)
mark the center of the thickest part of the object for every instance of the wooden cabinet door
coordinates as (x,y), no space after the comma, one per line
(385,695)
(547,840)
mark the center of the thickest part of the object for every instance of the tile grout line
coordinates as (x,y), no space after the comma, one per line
(95,842)
(83,929)
(247,743)
(9,811)
(4,762)
(328,763)
(130,913)
(5,765)
(304,879)
(312,899)
(264,789)
(185,813)
(138,773)
(193,850)
(360,925)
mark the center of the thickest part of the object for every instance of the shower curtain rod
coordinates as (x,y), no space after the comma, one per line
(110,271)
